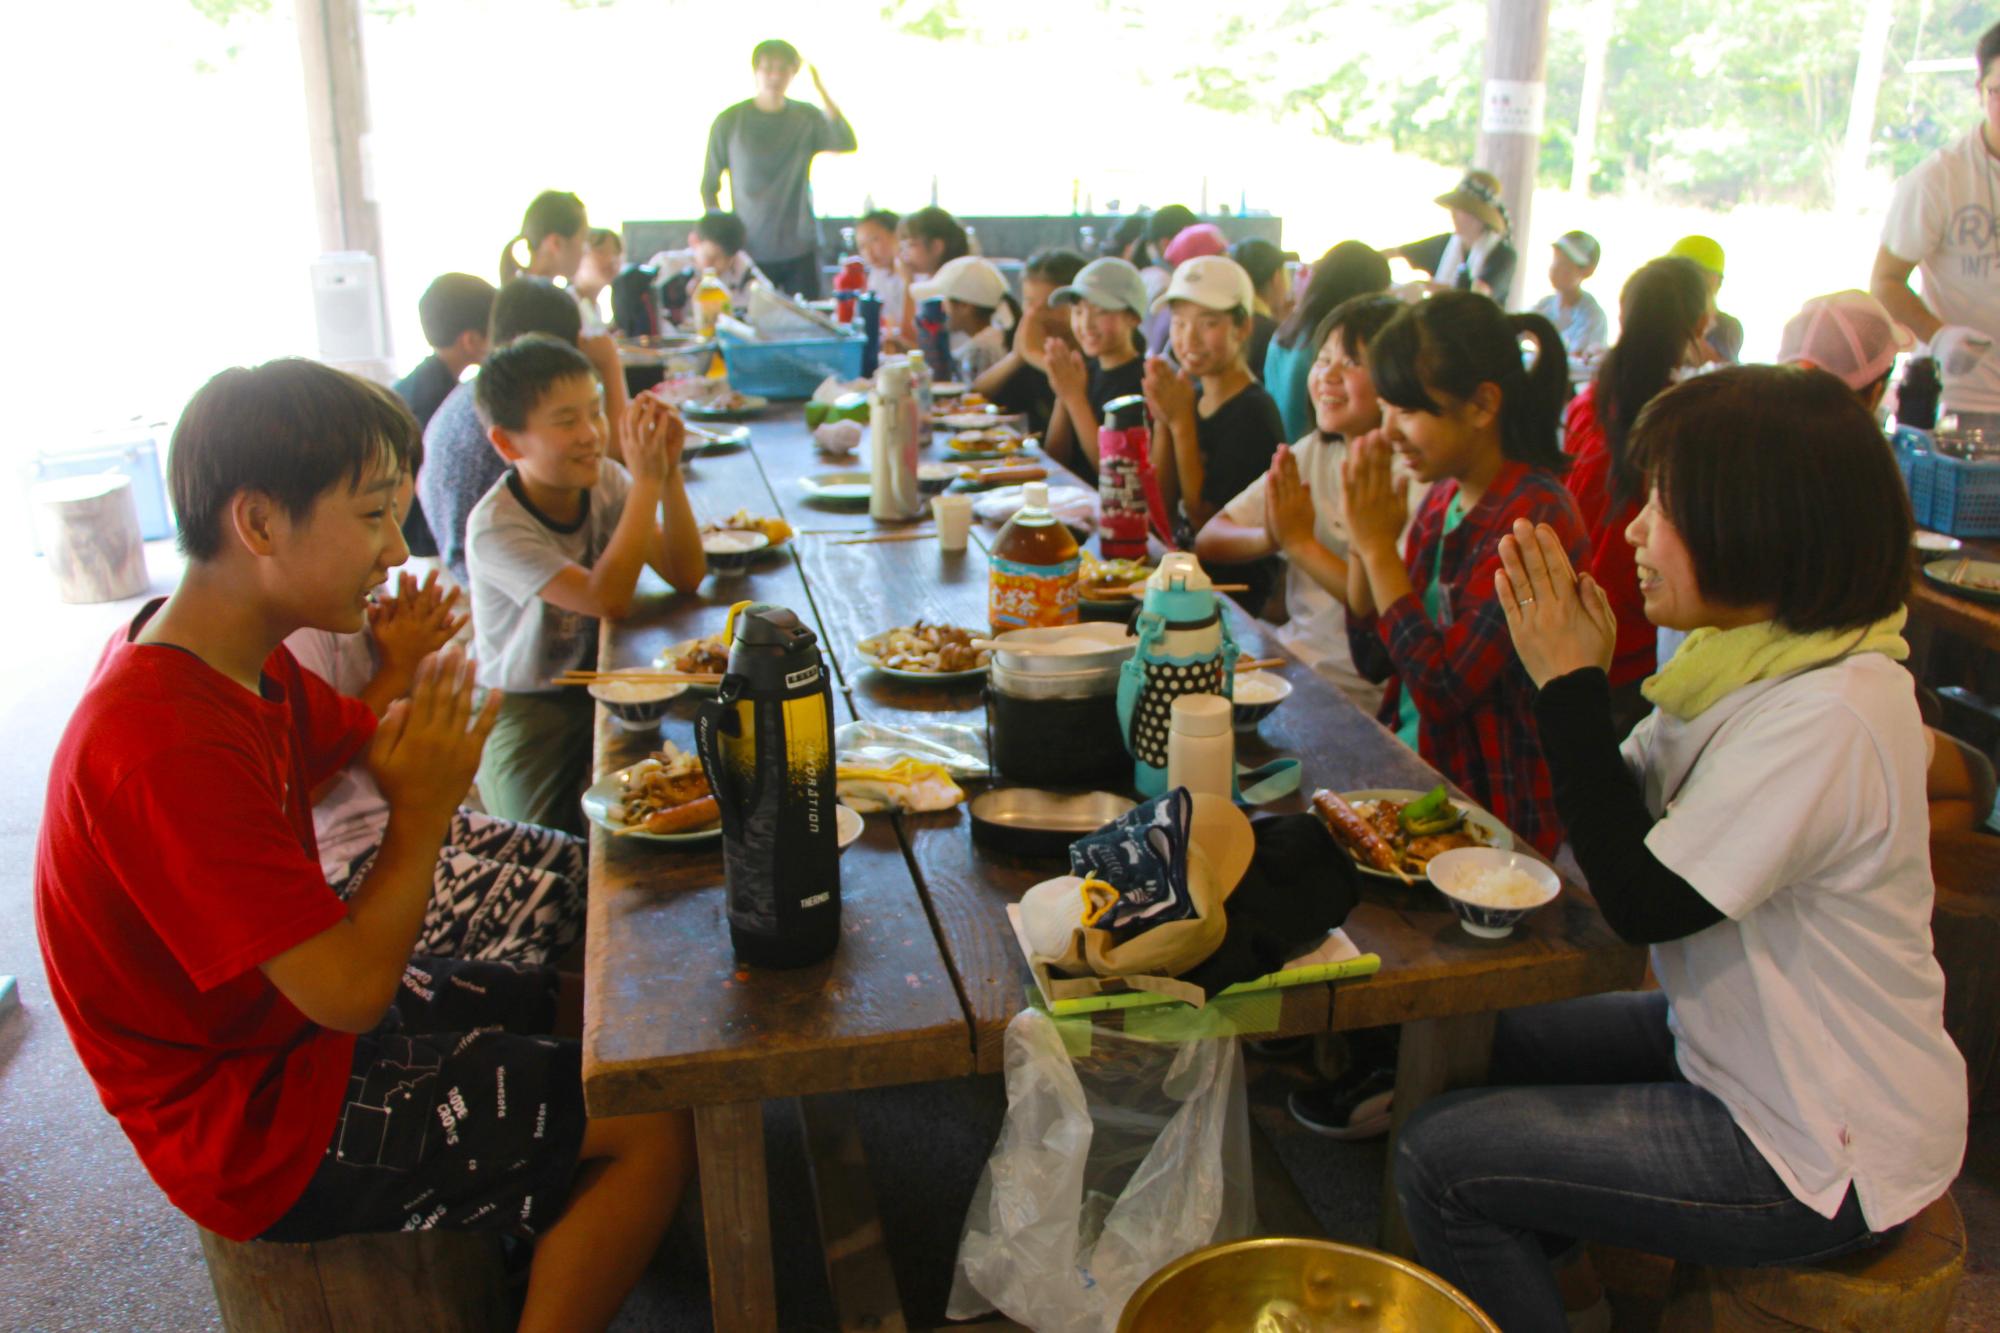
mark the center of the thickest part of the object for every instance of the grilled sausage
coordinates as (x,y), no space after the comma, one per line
(684,818)
(1346,824)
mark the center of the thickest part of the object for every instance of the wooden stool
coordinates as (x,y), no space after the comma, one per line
(1905,1283)
(90,528)
(386,1282)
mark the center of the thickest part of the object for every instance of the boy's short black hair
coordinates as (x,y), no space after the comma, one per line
(1054,263)
(775,49)
(723,229)
(1989,50)
(1785,493)
(516,376)
(1169,222)
(291,429)
(1260,259)
(603,236)
(934,224)
(881,217)
(454,304)
(1357,320)
(534,305)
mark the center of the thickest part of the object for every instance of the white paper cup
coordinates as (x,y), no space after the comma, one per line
(954,520)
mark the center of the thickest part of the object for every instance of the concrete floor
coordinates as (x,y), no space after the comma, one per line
(88,1243)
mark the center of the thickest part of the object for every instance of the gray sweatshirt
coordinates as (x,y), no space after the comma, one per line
(768,155)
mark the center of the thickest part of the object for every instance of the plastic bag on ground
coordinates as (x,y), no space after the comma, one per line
(1109,1166)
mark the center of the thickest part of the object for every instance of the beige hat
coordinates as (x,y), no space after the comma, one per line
(1214,281)
(968,278)
(1478,193)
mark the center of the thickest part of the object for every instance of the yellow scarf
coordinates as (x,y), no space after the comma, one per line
(1712,663)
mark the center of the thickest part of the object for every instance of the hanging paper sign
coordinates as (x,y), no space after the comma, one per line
(1513,107)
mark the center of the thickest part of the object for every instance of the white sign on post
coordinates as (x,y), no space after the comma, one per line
(1513,107)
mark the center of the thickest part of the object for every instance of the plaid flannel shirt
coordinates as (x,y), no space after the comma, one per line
(1474,700)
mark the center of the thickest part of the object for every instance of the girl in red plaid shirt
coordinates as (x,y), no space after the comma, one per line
(1464,414)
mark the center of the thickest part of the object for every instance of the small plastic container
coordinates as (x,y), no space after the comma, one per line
(1201,749)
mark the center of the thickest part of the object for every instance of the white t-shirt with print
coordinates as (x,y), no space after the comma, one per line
(1315,629)
(512,552)
(352,815)
(979,353)
(1943,218)
(1815,1012)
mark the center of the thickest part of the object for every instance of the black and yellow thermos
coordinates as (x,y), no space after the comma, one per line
(766,741)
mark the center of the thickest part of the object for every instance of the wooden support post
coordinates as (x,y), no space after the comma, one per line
(1596,48)
(857,1259)
(336,91)
(1510,121)
(1437,1055)
(736,1213)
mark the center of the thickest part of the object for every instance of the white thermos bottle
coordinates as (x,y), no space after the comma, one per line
(1201,748)
(892,422)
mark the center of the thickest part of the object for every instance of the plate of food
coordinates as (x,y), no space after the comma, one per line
(775,530)
(980,420)
(1937,543)
(704,440)
(709,656)
(840,490)
(1393,832)
(993,442)
(924,651)
(1107,580)
(1977,579)
(724,405)
(665,797)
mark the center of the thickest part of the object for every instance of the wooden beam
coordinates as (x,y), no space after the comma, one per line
(1510,122)
(336,93)
(736,1213)
(857,1258)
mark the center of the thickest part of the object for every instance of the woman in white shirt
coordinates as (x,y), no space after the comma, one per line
(1790,1092)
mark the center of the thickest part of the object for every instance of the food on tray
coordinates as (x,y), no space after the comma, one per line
(666,792)
(1398,837)
(969,401)
(993,439)
(1499,886)
(709,655)
(774,529)
(724,400)
(924,647)
(1097,579)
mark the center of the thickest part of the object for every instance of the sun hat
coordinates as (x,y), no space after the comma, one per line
(1214,281)
(968,278)
(1109,284)
(1203,238)
(1478,193)
(1848,334)
(1580,248)
(1703,250)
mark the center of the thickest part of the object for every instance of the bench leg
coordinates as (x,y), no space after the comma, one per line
(1437,1054)
(736,1213)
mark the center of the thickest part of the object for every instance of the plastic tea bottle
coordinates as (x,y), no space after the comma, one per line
(711,301)
(1031,578)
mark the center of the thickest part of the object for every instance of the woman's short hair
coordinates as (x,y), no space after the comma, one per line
(934,224)
(1785,493)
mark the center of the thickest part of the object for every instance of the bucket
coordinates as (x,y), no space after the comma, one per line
(1281,1282)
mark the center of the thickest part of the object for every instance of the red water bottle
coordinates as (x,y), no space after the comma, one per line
(1128,494)
(849,283)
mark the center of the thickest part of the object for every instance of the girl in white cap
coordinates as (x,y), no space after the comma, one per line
(972,290)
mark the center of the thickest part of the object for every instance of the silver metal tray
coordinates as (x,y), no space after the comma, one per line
(1029,821)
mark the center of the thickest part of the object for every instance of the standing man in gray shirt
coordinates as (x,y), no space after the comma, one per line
(766,145)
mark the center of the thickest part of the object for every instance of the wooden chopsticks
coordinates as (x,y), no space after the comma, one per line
(924,535)
(639,677)
(1260,664)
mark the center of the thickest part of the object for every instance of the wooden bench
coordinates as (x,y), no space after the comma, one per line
(1906,1283)
(390,1282)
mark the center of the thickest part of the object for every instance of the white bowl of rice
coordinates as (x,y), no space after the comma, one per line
(1492,890)
(636,705)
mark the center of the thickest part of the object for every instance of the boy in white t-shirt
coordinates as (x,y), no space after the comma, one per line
(1294,508)
(555,546)
(502,892)
(1943,219)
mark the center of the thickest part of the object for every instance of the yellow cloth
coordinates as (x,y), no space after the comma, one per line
(1712,663)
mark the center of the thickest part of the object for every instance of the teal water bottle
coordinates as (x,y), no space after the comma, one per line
(1185,647)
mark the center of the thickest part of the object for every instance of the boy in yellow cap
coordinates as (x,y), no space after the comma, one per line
(1725,332)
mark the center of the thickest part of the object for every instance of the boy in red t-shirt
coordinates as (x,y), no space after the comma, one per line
(279,1071)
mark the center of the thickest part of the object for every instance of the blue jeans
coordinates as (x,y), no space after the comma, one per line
(1591,1133)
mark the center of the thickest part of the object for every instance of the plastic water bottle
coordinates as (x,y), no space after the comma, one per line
(892,423)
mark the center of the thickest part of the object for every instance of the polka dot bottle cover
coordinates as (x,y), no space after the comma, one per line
(1184,648)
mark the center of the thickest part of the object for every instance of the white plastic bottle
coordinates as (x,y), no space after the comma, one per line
(920,389)
(892,491)
(1201,748)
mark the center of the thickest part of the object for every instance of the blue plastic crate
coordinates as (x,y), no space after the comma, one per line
(1953,496)
(792,368)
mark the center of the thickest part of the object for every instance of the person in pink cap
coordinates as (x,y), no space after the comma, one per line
(1852,337)
(1197,240)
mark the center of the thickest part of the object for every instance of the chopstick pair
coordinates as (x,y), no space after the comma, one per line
(922,535)
(641,677)
(1260,664)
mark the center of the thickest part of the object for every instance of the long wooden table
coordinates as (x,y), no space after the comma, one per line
(930,974)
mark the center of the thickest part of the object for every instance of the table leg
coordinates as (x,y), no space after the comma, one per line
(1437,1054)
(736,1213)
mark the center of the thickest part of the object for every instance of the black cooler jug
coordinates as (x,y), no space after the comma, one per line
(766,742)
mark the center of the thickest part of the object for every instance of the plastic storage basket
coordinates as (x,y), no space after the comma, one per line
(791,368)
(1953,496)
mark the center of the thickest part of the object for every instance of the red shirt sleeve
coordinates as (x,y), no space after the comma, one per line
(202,845)
(329,727)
